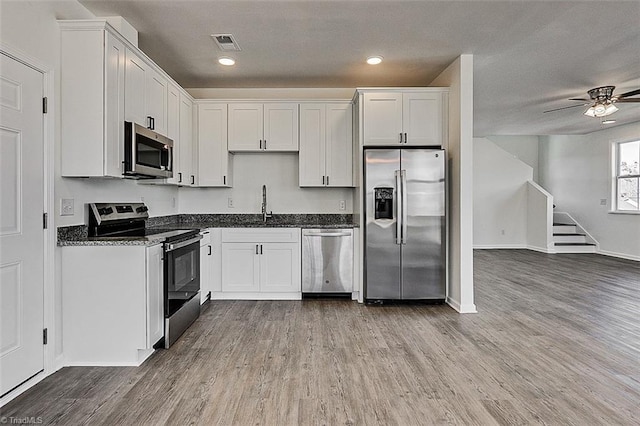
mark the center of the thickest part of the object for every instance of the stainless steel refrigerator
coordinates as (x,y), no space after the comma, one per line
(405,219)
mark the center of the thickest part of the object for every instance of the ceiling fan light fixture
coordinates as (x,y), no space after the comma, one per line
(374,60)
(608,121)
(600,109)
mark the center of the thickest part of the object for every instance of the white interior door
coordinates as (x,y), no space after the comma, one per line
(21,230)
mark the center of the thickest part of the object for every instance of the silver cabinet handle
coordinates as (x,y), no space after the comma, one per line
(256,248)
(323,180)
(209,250)
(405,138)
(260,248)
(179,177)
(400,137)
(260,143)
(327,180)
(265,144)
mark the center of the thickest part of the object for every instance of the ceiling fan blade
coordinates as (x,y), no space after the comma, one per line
(558,109)
(580,99)
(631,93)
(628,100)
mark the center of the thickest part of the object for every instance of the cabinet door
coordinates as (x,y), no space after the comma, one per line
(114,106)
(422,118)
(245,127)
(155,295)
(311,162)
(339,152)
(240,267)
(173,128)
(382,118)
(280,127)
(280,267)
(205,270)
(156,101)
(213,157)
(135,83)
(186,173)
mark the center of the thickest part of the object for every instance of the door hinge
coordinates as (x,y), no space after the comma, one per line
(45,220)
(44,105)
(44,336)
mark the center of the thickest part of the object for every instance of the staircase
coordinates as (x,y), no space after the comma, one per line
(569,237)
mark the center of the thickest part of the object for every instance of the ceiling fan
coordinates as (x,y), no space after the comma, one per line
(602,101)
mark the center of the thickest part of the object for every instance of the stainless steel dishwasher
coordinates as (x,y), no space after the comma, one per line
(327,260)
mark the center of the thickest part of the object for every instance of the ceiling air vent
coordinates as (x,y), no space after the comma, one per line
(226,42)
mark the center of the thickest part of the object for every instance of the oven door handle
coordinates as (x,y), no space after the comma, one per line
(174,246)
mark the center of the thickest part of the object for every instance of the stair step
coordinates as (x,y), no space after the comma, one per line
(574,244)
(563,224)
(564,234)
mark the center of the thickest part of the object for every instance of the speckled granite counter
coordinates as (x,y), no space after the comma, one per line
(78,236)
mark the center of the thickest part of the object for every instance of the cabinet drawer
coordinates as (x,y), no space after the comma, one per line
(261,235)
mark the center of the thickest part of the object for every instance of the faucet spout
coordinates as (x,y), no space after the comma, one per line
(265,215)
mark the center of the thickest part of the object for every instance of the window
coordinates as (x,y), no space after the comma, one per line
(627,176)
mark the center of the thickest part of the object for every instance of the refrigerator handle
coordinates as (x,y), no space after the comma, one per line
(397,202)
(403,179)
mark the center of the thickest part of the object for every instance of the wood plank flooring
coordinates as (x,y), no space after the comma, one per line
(556,341)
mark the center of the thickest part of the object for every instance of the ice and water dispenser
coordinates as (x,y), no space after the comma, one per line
(384,203)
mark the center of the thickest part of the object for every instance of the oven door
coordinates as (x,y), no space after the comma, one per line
(182,273)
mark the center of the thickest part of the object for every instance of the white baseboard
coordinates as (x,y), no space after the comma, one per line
(256,296)
(499,246)
(542,249)
(462,309)
(618,255)
(22,388)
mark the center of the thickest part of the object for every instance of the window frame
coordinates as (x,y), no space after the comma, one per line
(615,169)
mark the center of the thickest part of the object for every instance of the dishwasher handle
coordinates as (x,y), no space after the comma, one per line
(326,234)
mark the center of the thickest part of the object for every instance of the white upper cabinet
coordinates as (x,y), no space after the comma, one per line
(214,163)
(156,102)
(186,169)
(173,128)
(136,89)
(326,148)
(405,118)
(92,101)
(263,126)
(146,94)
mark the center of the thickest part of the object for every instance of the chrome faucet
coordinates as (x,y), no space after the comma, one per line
(265,215)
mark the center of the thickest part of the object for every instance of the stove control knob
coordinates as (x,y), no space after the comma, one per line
(105,211)
(142,209)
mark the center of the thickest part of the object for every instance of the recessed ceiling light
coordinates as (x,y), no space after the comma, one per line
(374,60)
(608,121)
(226,61)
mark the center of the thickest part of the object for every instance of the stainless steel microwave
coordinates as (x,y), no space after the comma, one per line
(147,154)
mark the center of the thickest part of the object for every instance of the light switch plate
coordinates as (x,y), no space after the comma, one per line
(66,207)
(230,202)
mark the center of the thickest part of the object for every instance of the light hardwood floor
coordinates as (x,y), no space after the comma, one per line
(556,341)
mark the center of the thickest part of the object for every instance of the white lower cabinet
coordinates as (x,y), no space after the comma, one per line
(210,258)
(113,304)
(261,263)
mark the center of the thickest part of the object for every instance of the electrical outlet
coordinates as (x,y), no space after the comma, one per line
(343,205)
(66,207)
(230,202)
(603,201)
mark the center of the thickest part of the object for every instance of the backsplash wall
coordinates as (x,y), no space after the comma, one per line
(279,171)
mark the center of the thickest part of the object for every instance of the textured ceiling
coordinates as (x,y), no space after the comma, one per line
(529,56)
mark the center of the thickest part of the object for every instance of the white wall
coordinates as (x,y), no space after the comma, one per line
(279,171)
(499,197)
(524,148)
(576,170)
(539,218)
(459,78)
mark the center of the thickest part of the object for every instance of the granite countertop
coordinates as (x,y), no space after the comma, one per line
(167,225)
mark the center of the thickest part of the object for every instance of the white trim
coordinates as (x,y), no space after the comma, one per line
(462,309)
(614,154)
(50,363)
(542,249)
(294,295)
(618,255)
(499,246)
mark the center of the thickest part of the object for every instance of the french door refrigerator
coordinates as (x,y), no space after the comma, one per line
(405,218)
